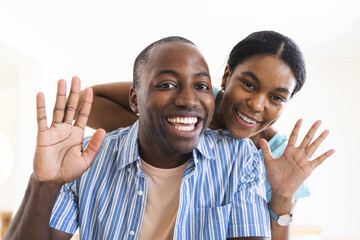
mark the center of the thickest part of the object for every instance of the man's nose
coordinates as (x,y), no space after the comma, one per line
(186,97)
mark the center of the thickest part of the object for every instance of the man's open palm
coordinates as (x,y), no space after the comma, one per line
(59,157)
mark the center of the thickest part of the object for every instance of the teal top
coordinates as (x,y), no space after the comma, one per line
(277,146)
(216,91)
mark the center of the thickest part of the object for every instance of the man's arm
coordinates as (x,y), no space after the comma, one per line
(59,158)
(32,218)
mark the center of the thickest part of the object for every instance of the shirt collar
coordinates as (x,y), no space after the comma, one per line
(128,151)
(206,144)
(128,147)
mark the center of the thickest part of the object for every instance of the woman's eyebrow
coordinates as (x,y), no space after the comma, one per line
(256,79)
(252,75)
(284,90)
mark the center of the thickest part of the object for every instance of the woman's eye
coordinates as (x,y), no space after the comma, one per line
(248,84)
(167,85)
(278,99)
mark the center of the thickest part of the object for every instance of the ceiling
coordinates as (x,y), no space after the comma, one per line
(115,31)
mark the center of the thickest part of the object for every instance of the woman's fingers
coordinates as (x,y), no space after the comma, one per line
(41,112)
(60,103)
(316,162)
(309,135)
(265,150)
(72,100)
(314,145)
(294,134)
(85,108)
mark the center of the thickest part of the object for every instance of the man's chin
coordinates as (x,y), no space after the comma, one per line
(186,148)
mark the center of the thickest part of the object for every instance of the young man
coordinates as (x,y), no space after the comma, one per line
(164,177)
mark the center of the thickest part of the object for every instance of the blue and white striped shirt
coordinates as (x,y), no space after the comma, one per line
(222,194)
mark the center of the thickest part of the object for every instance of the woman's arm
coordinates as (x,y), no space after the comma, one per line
(286,174)
(281,206)
(110,109)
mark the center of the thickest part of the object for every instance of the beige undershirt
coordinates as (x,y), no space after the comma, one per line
(162,201)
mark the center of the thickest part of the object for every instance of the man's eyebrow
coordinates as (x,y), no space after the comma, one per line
(166,71)
(202,74)
(256,79)
(174,73)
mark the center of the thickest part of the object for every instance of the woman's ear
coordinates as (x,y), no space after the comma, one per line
(133,100)
(225,77)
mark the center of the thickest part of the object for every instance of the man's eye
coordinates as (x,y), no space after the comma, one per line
(202,87)
(167,85)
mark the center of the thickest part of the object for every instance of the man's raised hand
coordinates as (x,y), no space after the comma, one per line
(59,157)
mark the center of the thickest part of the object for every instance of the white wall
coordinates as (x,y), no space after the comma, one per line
(20,78)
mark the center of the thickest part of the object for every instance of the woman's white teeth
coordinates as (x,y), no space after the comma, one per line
(185,120)
(246,119)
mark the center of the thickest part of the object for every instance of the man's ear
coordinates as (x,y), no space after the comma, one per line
(225,78)
(133,100)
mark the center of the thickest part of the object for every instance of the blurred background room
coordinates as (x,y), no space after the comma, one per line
(43,41)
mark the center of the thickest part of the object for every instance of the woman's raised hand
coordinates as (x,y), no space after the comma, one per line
(59,157)
(286,174)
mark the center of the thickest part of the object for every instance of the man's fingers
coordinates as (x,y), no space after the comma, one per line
(85,108)
(316,162)
(93,146)
(41,112)
(60,103)
(295,132)
(72,100)
(313,146)
(309,135)
(265,150)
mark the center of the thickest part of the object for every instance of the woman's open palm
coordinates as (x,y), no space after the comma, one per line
(59,157)
(286,174)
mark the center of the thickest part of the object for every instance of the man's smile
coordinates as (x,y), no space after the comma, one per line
(184,124)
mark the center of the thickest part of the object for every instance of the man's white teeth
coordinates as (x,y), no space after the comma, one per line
(246,119)
(189,121)
(185,120)
(185,128)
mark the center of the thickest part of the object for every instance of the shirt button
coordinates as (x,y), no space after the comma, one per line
(140,193)
(132,233)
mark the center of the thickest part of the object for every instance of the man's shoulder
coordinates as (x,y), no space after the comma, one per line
(221,144)
(223,135)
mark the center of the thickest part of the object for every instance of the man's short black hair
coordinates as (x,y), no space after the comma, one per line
(142,59)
